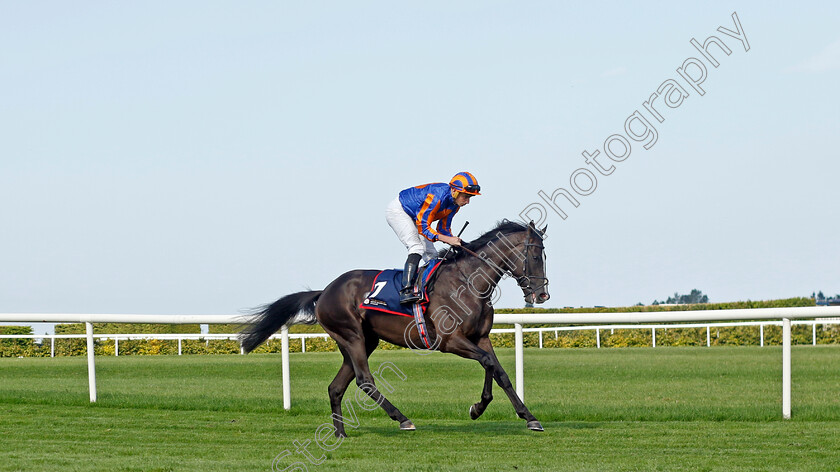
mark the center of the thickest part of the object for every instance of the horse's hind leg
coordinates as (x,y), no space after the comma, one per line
(365,381)
(336,391)
(356,355)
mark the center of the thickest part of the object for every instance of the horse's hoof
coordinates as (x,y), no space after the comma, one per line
(535,426)
(340,434)
(407,425)
(473,413)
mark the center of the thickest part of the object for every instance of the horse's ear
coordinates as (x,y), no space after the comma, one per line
(532,225)
(544,228)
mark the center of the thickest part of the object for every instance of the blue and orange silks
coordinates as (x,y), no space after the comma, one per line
(429,203)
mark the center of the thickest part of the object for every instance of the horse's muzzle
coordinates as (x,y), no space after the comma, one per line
(538,298)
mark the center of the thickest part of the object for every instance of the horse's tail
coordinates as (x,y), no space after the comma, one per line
(296,308)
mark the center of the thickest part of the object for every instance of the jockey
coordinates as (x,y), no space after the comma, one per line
(412,213)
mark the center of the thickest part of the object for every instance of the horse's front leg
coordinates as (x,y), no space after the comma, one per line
(477,409)
(486,396)
(465,348)
(504,381)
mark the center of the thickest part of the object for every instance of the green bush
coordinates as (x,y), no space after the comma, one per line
(129,328)
(719,336)
(787,302)
(16,347)
(224,328)
(672,336)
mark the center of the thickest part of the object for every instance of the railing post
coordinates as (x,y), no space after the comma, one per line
(520,363)
(91,364)
(708,336)
(598,337)
(284,349)
(302,344)
(541,339)
(116,346)
(762,335)
(786,368)
(52,346)
(814,333)
(653,336)
(179,346)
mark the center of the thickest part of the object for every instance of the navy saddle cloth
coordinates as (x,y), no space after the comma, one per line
(385,292)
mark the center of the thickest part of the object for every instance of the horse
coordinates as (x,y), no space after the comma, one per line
(459,316)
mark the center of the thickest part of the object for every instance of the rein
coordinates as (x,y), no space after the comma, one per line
(487,261)
(519,279)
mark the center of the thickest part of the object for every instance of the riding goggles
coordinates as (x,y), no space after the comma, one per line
(471,189)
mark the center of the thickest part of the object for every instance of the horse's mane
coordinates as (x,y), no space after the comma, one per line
(505,227)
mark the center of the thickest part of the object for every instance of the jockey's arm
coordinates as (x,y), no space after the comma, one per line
(451,240)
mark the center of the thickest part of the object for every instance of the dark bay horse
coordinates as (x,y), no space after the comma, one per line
(458,317)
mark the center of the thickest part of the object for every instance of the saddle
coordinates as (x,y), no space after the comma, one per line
(384,294)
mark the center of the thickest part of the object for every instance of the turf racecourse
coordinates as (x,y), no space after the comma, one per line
(609,409)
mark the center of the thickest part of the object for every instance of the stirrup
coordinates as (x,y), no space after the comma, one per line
(409,297)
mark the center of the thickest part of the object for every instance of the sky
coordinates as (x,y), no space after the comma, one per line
(208,157)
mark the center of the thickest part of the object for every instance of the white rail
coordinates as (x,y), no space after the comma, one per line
(117,337)
(783,314)
(653,327)
(180,337)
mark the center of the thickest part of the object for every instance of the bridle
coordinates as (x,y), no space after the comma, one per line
(524,281)
(527,278)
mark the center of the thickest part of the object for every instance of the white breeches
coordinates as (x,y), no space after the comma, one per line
(404,226)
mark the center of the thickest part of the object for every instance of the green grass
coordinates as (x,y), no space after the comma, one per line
(610,409)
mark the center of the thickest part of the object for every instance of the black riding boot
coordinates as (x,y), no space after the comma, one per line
(407,295)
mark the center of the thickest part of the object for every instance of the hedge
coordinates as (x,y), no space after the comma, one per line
(736,335)
(720,336)
(17,347)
